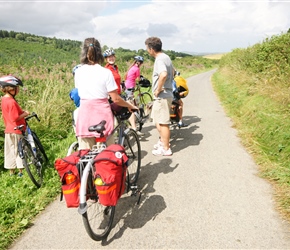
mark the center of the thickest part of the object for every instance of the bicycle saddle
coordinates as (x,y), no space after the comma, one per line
(99,128)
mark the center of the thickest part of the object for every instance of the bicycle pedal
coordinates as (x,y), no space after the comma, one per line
(133,188)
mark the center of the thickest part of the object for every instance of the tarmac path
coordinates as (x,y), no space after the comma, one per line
(206,196)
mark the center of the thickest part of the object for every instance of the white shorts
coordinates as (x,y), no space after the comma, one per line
(12,159)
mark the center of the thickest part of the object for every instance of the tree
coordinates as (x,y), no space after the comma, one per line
(19,36)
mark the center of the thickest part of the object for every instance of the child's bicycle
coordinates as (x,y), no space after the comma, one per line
(97,218)
(32,152)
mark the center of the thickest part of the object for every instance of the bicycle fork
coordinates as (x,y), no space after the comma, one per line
(83,189)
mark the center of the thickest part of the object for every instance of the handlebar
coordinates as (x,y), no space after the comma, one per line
(27,118)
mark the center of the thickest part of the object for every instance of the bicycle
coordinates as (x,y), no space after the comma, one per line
(32,152)
(143,100)
(98,219)
(175,111)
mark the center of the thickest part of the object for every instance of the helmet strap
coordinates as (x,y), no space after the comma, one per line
(13,95)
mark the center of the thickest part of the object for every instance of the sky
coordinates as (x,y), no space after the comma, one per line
(215,26)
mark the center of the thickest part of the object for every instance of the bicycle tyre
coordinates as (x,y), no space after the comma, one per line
(133,151)
(72,148)
(40,149)
(97,219)
(30,163)
(146,99)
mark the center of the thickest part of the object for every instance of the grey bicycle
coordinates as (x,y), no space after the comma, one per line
(97,218)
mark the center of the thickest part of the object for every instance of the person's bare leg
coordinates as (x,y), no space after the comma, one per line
(132,121)
(164,132)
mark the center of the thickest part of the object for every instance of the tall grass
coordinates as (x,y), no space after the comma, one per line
(253,84)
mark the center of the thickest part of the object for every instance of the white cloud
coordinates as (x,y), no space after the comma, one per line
(208,26)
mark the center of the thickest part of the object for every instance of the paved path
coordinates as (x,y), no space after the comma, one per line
(206,196)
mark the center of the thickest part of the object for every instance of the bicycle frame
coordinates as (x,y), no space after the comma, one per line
(123,130)
(27,135)
(84,177)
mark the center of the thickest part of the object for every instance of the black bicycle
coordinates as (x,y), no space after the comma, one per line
(32,152)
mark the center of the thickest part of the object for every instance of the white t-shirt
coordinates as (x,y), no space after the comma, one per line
(94,82)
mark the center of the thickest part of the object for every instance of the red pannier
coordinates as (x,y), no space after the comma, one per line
(110,174)
(70,177)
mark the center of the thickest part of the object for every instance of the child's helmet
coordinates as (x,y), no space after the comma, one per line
(10,81)
(109,52)
(139,59)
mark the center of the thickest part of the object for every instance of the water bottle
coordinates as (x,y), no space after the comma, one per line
(99,181)
(69,178)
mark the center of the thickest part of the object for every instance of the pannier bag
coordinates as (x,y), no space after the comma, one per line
(68,171)
(110,174)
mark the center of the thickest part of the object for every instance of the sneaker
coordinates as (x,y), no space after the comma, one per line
(139,133)
(162,152)
(20,174)
(158,144)
(181,124)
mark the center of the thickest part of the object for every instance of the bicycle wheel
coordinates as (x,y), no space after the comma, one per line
(133,151)
(32,165)
(146,100)
(73,148)
(98,219)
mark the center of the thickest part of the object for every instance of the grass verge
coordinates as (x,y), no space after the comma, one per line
(263,124)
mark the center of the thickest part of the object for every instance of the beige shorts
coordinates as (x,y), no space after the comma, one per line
(12,159)
(89,142)
(161,111)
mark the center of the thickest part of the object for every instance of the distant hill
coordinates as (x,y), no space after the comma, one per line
(202,53)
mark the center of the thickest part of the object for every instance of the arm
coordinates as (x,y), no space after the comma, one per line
(120,101)
(24,114)
(160,83)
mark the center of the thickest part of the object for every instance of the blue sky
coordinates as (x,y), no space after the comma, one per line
(214,26)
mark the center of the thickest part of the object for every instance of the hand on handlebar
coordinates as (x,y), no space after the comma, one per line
(133,109)
(26,113)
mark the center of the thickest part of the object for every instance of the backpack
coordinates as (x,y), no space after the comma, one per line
(68,171)
(110,174)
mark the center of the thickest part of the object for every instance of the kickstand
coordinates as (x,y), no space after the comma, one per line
(135,192)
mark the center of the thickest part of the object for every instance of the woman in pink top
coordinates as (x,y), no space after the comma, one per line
(132,76)
(95,84)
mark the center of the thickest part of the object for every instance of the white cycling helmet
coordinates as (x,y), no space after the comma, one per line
(109,52)
(139,59)
(10,81)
